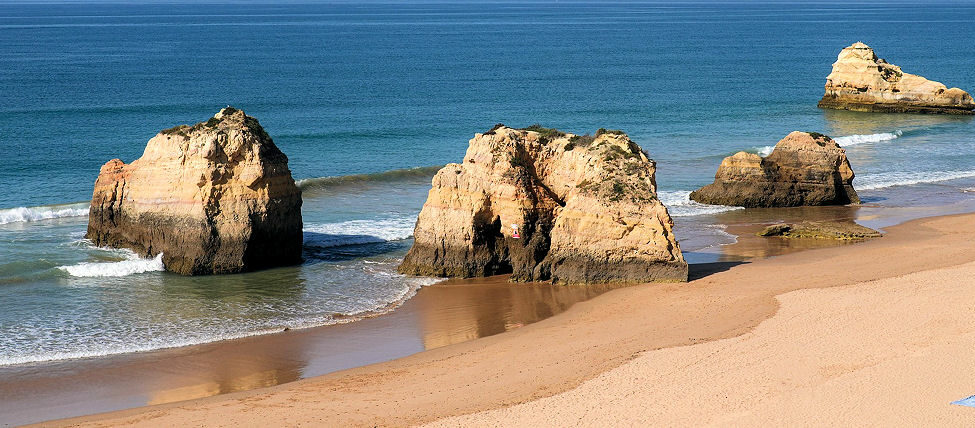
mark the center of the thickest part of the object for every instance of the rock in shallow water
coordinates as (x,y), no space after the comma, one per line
(844,231)
(803,169)
(863,82)
(544,205)
(216,197)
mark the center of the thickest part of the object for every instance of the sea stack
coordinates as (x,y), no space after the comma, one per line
(544,205)
(215,197)
(861,81)
(804,169)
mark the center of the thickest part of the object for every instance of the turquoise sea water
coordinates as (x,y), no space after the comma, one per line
(365,97)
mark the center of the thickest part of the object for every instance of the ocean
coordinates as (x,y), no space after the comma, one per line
(368,99)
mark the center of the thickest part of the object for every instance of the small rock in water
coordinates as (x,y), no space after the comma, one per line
(839,230)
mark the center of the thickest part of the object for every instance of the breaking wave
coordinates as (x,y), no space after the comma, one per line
(355,232)
(849,140)
(852,140)
(385,176)
(43,212)
(679,204)
(365,307)
(132,265)
(891,179)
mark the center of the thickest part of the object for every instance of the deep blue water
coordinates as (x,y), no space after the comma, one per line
(367,88)
(347,89)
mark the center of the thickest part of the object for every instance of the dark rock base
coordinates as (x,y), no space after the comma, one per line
(832,103)
(524,266)
(192,247)
(752,195)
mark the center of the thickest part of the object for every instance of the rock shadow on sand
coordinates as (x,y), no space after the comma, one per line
(697,271)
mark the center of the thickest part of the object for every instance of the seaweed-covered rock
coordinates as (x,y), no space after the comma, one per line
(216,197)
(844,231)
(803,169)
(545,205)
(863,82)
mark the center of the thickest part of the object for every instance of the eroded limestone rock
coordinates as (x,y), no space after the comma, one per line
(803,169)
(585,209)
(216,197)
(863,82)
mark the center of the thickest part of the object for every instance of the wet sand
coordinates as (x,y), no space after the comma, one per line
(439,315)
(726,300)
(444,314)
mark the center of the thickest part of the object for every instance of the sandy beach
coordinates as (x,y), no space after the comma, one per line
(820,336)
(450,312)
(486,213)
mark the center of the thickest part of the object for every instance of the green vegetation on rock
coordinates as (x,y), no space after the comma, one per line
(545,133)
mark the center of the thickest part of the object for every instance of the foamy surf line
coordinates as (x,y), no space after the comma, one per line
(892,179)
(133,265)
(847,141)
(852,140)
(355,232)
(414,285)
(43,212)
(679,204)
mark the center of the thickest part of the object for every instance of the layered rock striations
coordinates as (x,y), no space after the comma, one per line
(585,210)
(863,82)
(803,169)
(216,197)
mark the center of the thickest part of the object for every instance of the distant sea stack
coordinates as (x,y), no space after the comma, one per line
(215,197)
(861,81)
(544,205)
(803,169)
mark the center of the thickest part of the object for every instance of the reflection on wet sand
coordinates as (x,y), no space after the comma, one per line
(457,311)
(746,224)
(226,380)
(439,315)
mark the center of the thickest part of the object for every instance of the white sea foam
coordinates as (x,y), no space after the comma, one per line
(722,231)
(45,212)
(151,344)
(679,204)
(852,140)
(365,307)
(132,265)
(891,179)
(764,151)
(356,232)
(849,140)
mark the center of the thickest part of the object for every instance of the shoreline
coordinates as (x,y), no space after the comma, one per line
(454,311)
(448,312)
(560,352)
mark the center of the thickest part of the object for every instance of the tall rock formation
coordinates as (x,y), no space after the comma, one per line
(863,82)
(216,197)
(803,169)
(584,208)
